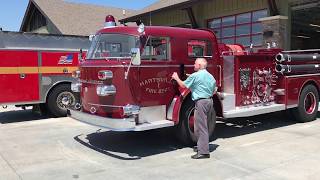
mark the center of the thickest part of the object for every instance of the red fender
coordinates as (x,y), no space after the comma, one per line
(176,104)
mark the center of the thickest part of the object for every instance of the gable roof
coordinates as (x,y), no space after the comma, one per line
(157,6)
(74,18)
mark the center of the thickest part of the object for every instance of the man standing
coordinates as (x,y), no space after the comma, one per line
(202,85)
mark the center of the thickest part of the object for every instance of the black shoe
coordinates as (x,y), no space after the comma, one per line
(195,148)
(200,156)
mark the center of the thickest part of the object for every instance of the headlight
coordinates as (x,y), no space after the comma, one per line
(76,74)
(106,90)
(76,87)
(103,75)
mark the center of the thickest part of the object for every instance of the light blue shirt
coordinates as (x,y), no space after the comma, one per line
(201,84)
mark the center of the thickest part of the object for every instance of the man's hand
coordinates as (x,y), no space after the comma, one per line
(215,90)
(175,76)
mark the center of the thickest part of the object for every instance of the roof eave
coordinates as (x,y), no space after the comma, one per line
(179,5)
(25,16)
(42,12)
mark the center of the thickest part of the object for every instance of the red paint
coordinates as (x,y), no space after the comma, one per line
(15,63)
(295,86)
(149,84)
(176,109)
(310,103)
(13,88)
(53,58)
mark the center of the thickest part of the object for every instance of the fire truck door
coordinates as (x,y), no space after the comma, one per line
(19,79)
(155,85)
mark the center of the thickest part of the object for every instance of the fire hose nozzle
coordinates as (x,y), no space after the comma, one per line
(280,57)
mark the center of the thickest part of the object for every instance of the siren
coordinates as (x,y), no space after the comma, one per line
(110,22)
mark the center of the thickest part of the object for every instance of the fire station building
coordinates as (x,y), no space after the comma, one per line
(288,24)
(292,24)
(62,17)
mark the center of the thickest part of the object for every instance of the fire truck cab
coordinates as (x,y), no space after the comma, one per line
(125,82)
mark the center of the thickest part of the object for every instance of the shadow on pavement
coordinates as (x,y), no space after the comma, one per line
(19,116)
(241,126)
(136,145)
(131,145)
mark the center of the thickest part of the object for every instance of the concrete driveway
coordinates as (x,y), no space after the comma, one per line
(264,147)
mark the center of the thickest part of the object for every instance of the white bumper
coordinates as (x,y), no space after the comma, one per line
(125,124)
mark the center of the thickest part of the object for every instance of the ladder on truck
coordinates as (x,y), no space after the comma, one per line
(35,41)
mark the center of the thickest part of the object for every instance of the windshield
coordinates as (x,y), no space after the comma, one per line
(112,46)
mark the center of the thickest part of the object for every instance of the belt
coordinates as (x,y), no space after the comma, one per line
(202,98)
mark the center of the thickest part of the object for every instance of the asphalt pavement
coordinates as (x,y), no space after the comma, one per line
(268,147)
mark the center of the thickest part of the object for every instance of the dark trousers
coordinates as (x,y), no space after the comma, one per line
(202,110)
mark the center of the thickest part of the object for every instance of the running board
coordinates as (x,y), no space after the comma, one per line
(247,111)
(153,125)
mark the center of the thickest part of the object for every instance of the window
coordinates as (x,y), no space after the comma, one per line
(199,48)
(37,21)
(244,18)
(228,32)
(228,21)
(112,46)
(156,48)
(242,28)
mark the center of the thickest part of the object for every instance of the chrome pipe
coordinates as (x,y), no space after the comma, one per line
(297,69)
(297,57)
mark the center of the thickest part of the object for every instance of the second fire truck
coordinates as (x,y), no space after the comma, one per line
(36,69)
(125,82)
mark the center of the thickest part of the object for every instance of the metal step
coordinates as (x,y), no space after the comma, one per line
(247,111)
(153,125)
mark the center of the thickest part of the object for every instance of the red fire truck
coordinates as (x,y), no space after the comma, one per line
(35,70)
(125,82)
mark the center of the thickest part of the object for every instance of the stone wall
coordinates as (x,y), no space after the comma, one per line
(275,29)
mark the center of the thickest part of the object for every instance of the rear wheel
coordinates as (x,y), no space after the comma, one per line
(308,104)
(61,98)
(186,123)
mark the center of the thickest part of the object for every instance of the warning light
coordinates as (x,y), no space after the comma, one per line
(110,22)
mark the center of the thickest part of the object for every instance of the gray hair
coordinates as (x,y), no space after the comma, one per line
(203,63)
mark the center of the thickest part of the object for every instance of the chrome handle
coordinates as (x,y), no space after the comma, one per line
(22,76)
(220,75)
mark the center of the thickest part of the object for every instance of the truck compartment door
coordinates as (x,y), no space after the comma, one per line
(19,78)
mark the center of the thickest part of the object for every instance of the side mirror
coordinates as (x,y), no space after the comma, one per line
(81,56)
(141,28)
(91,36)
(135,55)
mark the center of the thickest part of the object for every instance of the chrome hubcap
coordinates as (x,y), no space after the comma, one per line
(310,103)
(65,99)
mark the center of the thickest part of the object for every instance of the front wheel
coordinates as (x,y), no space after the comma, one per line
(186,123)
(308,104)
(61,98)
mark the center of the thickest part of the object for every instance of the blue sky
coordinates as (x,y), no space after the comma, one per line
(12,12)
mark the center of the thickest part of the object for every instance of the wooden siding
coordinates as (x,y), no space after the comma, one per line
(205,10)
(167,18)
(211,9)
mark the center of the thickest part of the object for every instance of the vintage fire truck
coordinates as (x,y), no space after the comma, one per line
(125,82)
(36,70)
